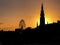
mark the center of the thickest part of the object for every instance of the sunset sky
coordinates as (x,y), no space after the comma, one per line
(12,11)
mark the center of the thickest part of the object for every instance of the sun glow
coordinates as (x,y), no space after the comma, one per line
(46,22)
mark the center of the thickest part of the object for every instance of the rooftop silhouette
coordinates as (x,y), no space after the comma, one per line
(44,33)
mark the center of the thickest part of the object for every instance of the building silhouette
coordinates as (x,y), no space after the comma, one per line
(41,27)
(42,18)
(43,33)
(52,27)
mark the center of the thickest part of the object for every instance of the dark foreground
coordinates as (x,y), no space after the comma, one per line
(30,38)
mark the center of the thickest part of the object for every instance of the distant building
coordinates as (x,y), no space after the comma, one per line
(42,18)
(53,27)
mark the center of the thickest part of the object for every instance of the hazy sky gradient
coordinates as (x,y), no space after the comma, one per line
(12,11)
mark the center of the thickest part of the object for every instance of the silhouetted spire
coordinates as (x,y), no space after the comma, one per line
(42,18)
(42,7)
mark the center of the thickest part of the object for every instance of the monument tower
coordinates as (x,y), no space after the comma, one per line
(42,18)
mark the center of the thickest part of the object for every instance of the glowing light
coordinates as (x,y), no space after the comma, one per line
(46,22)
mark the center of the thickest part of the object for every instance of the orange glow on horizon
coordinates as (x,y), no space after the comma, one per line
(28,10)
